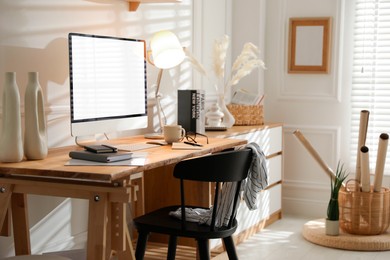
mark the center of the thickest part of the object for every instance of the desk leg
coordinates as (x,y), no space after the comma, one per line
(128,254)
(118,226)
(20,224)
(5,229)
(120,236)
(97,226)
(5,216)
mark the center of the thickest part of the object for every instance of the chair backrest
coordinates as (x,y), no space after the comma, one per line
(223,167)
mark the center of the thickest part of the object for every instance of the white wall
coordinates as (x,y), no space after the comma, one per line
(249,22)
(318,105)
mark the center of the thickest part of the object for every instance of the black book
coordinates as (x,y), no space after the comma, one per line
(100,157)
(191,112)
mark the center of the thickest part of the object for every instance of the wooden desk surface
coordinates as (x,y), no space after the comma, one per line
(239,130)
(53,167)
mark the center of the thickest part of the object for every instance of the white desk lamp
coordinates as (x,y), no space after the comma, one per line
(165,52)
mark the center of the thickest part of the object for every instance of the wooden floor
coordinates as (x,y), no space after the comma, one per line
(278,241)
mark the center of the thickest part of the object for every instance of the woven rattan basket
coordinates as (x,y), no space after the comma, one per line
(247,115)
(364,213)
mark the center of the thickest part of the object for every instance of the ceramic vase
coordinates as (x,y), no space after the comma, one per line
(11,141)
(228,119)
(332,227)
(35,134)
(214,116)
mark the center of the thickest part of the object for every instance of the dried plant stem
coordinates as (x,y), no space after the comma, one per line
(243,65)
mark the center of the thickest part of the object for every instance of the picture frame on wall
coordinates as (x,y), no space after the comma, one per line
(309,45)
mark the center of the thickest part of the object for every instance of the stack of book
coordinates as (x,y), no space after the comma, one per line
(100,153)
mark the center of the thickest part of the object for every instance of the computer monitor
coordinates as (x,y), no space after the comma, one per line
(108,87)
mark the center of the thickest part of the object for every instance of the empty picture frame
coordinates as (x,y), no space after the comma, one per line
(309,45)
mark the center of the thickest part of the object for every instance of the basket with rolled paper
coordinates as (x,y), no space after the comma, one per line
(364,213)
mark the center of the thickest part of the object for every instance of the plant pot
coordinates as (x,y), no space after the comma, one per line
(332,227)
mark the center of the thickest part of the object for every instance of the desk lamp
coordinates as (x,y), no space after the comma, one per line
(165,52)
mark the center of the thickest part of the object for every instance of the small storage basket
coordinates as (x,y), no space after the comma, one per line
(364,213)
(247,114)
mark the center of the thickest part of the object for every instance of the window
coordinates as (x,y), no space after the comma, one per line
(371,75)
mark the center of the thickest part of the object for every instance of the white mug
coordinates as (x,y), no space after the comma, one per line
(173,133)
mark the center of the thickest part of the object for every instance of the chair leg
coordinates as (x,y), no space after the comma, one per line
(172,247)
(230,248)
(141,245)
(203,249)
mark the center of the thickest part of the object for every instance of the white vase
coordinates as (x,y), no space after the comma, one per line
(228,119)
(35,134)
(214,116)
(11,142)
(332,227)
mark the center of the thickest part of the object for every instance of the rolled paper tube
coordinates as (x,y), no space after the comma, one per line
(364,115)
(365,167)
(314,153)
(380,161)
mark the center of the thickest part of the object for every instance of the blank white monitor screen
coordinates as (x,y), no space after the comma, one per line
(108,88)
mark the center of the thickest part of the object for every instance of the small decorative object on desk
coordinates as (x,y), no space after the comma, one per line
(35,135)
(243,65)
(214,116)
(11,141)
(332,221)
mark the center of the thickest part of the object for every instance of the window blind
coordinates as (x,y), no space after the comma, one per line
(371,75)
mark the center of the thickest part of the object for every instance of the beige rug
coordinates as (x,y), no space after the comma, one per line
(314,231)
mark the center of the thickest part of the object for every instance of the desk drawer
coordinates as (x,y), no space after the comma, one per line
(270,140)
(268,201)
(274,165)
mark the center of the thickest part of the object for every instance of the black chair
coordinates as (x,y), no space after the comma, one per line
(224,167)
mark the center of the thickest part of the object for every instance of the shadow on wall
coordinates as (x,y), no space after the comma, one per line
(51,63)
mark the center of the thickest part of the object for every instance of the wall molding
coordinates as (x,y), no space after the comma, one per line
(333,131)
(295,202)
(312,202)
(284,79)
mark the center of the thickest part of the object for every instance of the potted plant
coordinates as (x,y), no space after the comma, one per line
(332,221)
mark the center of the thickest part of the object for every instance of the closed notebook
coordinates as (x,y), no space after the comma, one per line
(100,157)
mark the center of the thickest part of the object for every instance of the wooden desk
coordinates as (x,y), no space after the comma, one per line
(107,188)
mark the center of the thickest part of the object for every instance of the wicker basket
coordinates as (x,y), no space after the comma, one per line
(364,213)
(247,115)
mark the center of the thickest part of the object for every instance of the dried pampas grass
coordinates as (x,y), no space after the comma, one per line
(244,64)
(195,63)
(219,56)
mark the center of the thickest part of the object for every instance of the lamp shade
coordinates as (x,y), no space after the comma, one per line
(166,50)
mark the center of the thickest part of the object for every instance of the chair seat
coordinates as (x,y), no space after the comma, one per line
(159,221)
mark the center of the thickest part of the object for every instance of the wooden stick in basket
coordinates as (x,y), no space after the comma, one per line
(364,115)
(314,153)
(365,169)
(380,161)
